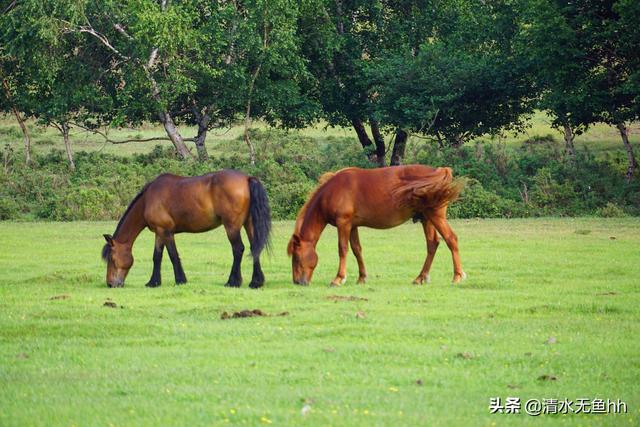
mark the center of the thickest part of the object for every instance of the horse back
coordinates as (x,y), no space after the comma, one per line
(196,204)
(382,197)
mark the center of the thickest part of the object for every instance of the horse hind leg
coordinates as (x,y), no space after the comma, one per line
(158,249)
(439,220)
(357,251)
(432,246)
(237,248)
(257,279)
(178,271)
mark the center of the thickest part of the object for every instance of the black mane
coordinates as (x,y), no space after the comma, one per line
(106,249)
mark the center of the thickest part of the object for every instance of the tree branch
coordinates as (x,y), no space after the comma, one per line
(125,141)
(71,28)
(9,7)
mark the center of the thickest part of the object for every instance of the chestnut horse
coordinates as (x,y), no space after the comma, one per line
(377,198)
(173,204)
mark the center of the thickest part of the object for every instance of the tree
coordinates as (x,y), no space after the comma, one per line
(341,41)
(56,80)
(588,68)
(9,103)
(560,65)
(199,62)
(465,80)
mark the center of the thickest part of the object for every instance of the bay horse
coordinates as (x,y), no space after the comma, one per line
(377,198)
(173,204)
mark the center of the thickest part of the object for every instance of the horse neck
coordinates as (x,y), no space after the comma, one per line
(132,224)
(312,225)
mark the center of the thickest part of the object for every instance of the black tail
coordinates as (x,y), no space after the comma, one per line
(260,216)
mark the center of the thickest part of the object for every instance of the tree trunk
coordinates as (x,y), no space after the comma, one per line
(569,136)
(64,129)
(201,137)
(247,139)
(164,116)
(632,164)
(361,131)
(25,132)
(174,135)
(247,118)
(364,139)
(379,141)
(398,147)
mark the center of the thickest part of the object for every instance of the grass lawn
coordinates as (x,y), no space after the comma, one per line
(550,310)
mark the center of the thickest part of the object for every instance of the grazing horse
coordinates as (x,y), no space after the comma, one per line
(173,204)
(377,198)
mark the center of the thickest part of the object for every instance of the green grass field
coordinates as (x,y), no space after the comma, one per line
(550,310)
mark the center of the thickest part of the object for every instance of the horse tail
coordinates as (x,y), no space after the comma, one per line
(433,191)
(260,217)
(443,191)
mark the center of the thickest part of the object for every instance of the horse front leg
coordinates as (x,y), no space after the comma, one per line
(158,250)
(178,271)
(431,236)
(357,251)
(237,248)
(439,220)
(344,233)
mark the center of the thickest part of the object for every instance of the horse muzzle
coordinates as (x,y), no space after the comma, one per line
(116,284)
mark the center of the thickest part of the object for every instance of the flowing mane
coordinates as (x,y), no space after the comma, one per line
(106,249)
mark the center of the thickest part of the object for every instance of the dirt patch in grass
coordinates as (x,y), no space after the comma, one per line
(249,313)
(57,297)
(465,355)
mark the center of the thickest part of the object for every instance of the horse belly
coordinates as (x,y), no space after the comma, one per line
(380,223)
(381,215)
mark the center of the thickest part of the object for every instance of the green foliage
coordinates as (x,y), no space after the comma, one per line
(533,179)
(611,210)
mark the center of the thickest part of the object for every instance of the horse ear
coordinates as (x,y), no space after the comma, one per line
(108,238)
(293,243)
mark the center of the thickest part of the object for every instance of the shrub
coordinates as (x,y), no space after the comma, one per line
(611,210)
(504,181)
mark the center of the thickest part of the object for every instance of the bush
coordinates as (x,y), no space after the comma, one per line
(8,209)
(504,181)
(611,210)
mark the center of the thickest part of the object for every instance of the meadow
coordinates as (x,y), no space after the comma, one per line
(549,310)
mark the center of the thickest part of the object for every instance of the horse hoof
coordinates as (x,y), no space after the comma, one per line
(256,285)
(361,281)
(422,280)
(181,282)
(152,285)
(339,281)
(459,278)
